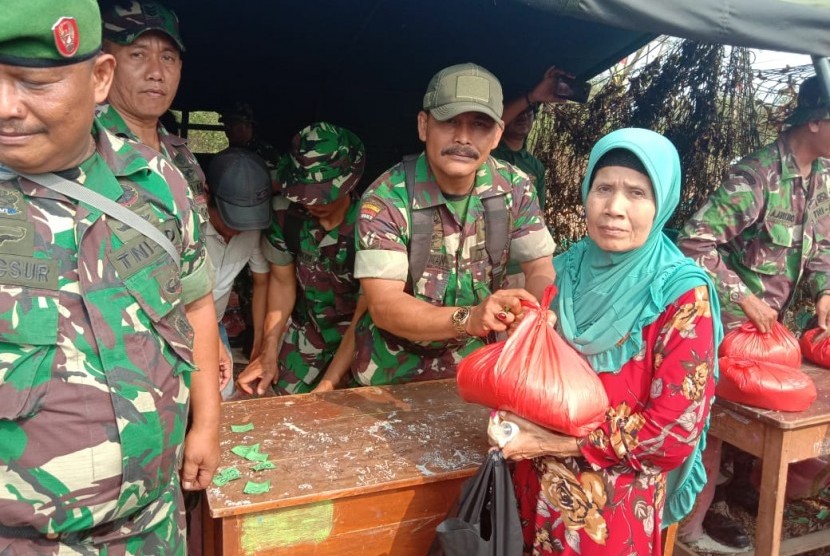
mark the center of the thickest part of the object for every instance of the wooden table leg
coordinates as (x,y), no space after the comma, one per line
(669,536)
(773,487)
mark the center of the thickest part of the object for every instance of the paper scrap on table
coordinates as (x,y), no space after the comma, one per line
(257,488)
(224,476)
(247,427)
(262,466)
(257,456)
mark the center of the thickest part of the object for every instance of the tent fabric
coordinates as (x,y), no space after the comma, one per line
(790,25)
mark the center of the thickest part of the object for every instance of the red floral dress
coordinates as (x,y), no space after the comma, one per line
(609,501)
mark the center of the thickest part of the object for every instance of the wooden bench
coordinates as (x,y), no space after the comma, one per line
(365,471)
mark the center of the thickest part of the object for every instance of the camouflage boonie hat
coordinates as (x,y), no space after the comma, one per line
(325,163)
(464,88)
(46,33)
(811,106)
(239,112)
(125,22)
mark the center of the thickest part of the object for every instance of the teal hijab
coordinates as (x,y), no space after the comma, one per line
(605,299)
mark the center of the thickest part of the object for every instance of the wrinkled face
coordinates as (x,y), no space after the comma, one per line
(620,209)
(238,132)
(146,77)
(457,147)
(46,113)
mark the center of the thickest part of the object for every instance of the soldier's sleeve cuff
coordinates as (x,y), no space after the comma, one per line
(198,283)
(274,255)
(380,263)
(532,246)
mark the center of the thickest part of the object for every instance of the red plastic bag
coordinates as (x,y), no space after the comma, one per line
(779,346)
(765,385)
(536,375)
(818,353)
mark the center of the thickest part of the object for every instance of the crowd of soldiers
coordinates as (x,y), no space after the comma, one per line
(113,355)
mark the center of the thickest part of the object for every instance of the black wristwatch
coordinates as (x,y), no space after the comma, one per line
(459,321)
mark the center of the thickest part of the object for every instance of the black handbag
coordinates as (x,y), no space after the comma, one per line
(487,520)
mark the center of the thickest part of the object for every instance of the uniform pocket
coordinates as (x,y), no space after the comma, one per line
(770,256)
(28,335)
(157,288)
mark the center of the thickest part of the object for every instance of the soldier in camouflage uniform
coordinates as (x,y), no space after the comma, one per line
(759,235)
(144,38)
(767,228)
(100,330)
(239,128)
(310,245)
(420,331)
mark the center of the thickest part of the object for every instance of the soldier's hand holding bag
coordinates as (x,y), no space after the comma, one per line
(536,375)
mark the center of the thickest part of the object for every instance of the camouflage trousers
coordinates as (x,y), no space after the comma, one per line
(158,529)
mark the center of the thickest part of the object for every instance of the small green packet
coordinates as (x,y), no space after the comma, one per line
(246,427)
(228,474)
(262,466)
(257,488)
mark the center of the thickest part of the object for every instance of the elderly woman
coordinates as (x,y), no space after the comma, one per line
(646,319)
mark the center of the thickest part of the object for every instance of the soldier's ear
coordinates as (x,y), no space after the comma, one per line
(423,121)
(103,70)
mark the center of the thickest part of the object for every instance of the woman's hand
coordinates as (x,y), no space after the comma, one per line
(530,441)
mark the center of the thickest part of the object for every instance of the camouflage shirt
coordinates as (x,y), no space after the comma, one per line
(174,148)
(326,292)
(527,163)
(763,230)
(458,272)
(96,347)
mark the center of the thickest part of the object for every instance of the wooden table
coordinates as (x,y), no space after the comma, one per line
(365,471)
(778,438)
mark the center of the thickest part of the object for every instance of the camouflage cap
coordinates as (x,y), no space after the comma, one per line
(324,163)
(811,106)
(240,186)
(125,22)
(464,88)
(45,33)
(239,112)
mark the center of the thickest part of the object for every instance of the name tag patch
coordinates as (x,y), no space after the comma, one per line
(140,251)
(18,270)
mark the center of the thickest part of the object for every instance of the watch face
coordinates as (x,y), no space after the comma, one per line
(460,316)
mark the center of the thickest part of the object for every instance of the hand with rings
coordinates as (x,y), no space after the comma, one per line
(498,312)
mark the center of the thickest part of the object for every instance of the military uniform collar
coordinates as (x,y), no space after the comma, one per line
(789,167)
(489,182)
(111,119)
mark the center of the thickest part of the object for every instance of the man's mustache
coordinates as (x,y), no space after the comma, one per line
(13,127)
(461,150)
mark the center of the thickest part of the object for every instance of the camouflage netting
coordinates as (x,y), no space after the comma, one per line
(704,98)
(700,96)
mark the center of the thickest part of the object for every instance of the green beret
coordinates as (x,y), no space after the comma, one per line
(44,33)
